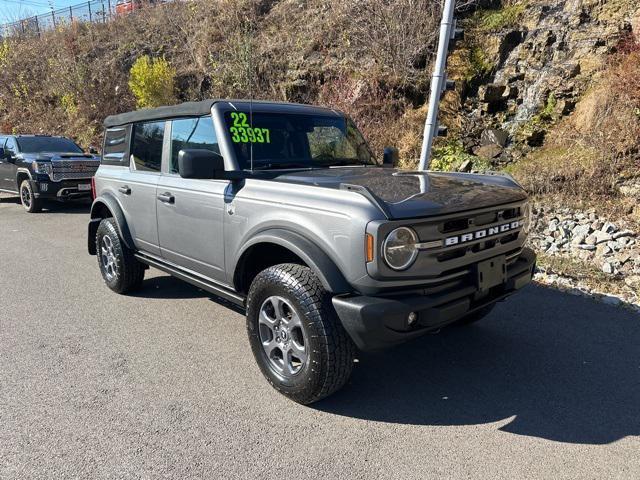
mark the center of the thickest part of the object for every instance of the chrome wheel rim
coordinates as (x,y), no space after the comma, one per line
(108,258)
(282,336)
(25,195)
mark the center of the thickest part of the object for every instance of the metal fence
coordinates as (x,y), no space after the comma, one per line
(90,11)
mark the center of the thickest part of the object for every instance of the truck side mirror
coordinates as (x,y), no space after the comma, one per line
(200,164)
(391,157)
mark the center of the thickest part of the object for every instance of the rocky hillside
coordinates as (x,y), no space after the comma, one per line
(547,90)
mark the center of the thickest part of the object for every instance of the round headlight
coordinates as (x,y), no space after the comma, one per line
(400,249)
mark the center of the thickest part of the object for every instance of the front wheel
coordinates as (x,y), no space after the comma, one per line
(120,270)
(30,203)
(296,337)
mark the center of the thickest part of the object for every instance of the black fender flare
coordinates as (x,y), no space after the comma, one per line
(328,272)
(111,203)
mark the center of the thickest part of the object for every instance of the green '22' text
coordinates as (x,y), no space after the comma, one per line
(242,132)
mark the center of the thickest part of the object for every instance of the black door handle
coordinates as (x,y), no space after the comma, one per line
(167,198)
(126,190)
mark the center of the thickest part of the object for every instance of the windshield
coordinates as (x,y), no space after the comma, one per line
(282,140)
(47,144)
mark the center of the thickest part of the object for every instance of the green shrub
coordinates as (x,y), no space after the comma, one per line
(152,82)
(479,64)
(4,52)
(69,104)
(449,158)
(496,20)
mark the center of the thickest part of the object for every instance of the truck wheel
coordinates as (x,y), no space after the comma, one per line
(295,334)
(120,270)
(477,315)
(30,203)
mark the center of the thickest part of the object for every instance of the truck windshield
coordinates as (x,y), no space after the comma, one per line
(47,144)
(282,140)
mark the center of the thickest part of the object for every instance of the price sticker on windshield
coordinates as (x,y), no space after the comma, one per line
(242,132)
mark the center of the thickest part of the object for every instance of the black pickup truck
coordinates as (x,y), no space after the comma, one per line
(42,167)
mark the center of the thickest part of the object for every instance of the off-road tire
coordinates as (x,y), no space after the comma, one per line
(330,351)
(30,203)
(477,315)
(129,273)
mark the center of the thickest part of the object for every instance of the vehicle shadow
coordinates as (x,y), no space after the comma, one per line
(545,363)
(75,206)
(8,198)
(168,287)
(72,207)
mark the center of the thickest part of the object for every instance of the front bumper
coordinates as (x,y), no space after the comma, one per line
(375,323)
(63,190)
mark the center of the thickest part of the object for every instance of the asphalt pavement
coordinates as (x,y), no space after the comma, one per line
(162,384)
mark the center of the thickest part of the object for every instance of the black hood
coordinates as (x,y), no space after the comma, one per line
(404,194)
(60,156)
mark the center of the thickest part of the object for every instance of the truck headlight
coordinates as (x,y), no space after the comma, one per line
(399,249)
(42,167)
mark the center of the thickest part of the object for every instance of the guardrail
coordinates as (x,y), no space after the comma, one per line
(90,11)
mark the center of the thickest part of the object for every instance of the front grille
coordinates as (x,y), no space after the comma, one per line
(468,237)
(73,169)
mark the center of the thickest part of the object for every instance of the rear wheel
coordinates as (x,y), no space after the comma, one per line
(30,203)
(120,270)
(296,337)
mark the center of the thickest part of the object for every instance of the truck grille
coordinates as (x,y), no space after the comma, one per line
(450,245)
(73,169)
(477,232)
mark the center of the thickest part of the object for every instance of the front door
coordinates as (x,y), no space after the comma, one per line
(190,212)
(8,167)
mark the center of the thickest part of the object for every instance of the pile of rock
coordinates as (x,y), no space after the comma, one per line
(613,248)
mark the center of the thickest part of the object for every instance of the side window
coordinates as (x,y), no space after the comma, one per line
(10,147)
(116,145)
(146,147)
(197,133)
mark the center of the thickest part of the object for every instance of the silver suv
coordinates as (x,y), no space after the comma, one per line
(283,210)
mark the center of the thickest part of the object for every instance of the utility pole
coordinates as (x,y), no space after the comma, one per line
(439,82)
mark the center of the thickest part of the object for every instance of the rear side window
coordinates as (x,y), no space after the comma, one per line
(146,147)
(116,145)
(191,133)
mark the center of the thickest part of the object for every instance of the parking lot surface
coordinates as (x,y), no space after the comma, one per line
(162,384)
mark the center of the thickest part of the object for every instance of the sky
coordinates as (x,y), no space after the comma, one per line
(11,10)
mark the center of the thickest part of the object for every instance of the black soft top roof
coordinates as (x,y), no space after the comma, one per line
(189,109)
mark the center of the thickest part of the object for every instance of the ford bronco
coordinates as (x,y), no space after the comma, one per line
(283,210)
(42,167)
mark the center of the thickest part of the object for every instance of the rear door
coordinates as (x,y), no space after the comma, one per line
(136,188)
(190,212)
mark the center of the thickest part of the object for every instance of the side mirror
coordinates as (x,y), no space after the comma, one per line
(93,150)
(200,164)
(391,157)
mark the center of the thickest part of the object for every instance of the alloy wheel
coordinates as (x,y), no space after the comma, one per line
(108,258)
(25,195)
(282,336)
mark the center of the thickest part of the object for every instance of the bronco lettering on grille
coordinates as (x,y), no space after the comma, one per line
(480,234)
